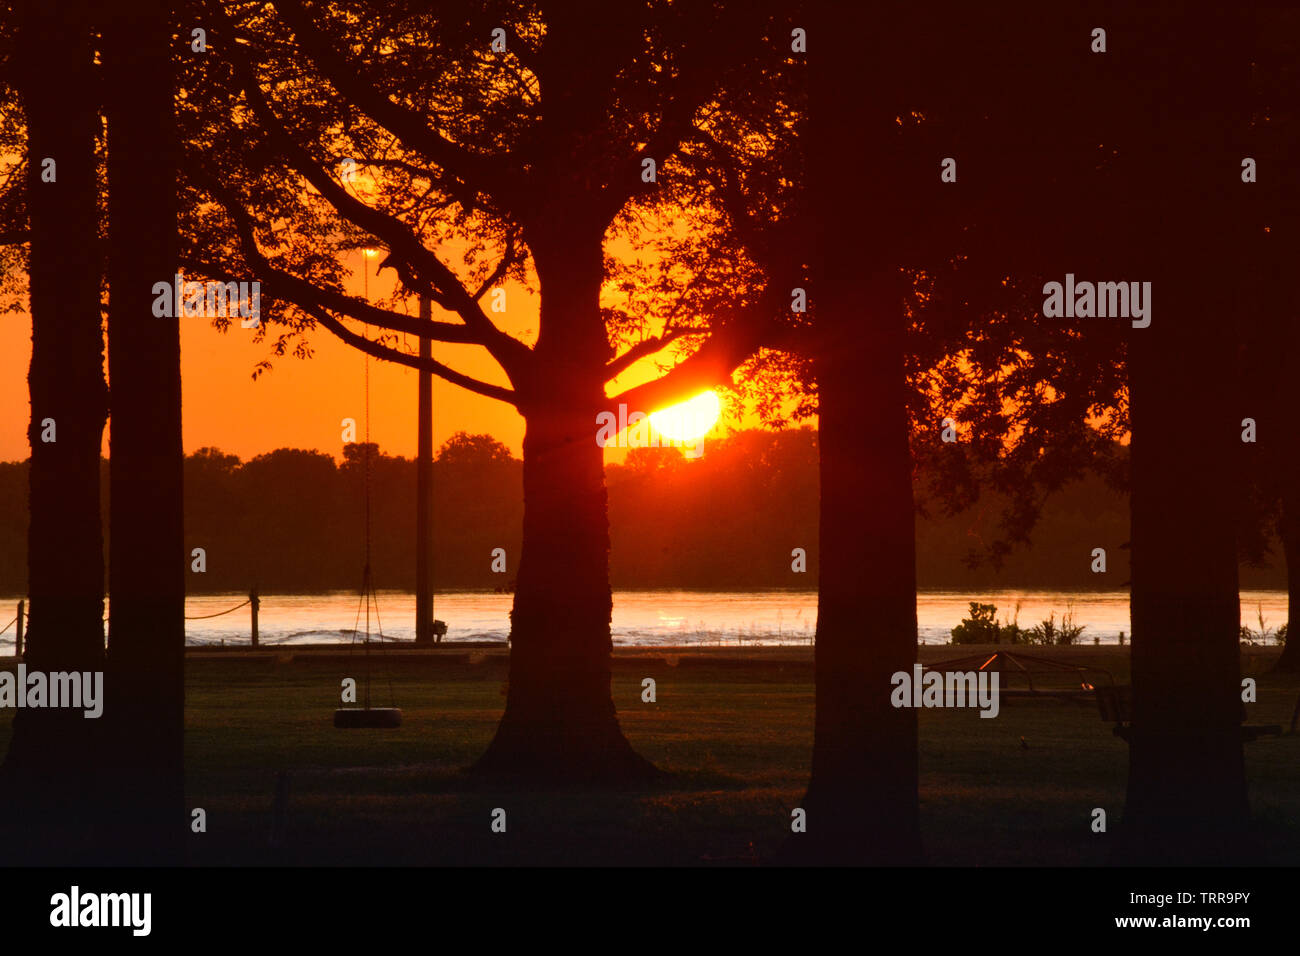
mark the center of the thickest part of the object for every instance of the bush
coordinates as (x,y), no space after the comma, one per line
(979,628)
(982,628)
(1013,633)
(1049,632)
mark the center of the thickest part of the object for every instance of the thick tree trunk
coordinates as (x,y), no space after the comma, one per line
(560,724)
(862,798)
(1187,799)
(1187,786)
(49,770)
(147,565)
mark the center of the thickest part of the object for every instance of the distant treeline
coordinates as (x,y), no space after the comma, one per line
(293,520)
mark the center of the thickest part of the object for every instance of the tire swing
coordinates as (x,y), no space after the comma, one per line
(366,716)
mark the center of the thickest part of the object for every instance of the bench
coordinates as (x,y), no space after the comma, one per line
(1115,705)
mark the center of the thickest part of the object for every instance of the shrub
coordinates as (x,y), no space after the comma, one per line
(979,628)
(1049,632)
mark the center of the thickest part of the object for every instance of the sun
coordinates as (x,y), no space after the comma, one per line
(688,420)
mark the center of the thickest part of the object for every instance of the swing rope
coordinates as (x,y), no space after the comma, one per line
(368,595)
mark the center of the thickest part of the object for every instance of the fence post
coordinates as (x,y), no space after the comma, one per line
(252,603)
(18,634)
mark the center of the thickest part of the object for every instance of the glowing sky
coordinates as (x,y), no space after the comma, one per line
(301,403)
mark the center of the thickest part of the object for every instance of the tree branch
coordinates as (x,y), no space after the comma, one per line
(244,226)
(641,349)
(350,79)
(712,364)
(507,260)
(297,291)
(387,354)
(666,140)
(424,271)
(301,292)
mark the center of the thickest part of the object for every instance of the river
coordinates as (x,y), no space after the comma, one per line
(649,618)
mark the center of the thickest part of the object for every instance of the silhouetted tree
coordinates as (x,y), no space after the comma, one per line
(862,794)
(577,100)
(50,766)
(147,565)
(287,523)
(1181,82)
(924,311)
(295,502)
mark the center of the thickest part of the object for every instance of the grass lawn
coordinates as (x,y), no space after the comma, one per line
(732,726)
(735,731)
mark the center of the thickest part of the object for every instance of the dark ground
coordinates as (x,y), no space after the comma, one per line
(732,726)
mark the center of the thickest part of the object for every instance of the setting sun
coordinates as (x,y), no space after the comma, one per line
(689,419)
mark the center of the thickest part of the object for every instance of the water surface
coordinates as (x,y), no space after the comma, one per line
(648,618)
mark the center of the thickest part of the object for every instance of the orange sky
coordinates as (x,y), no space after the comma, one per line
(301,403)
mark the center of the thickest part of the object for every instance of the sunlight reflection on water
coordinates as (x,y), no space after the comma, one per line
(650,618)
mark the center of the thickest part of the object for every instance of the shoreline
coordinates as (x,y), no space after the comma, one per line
(480,652)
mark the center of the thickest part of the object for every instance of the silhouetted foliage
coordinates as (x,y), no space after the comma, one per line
(291,520)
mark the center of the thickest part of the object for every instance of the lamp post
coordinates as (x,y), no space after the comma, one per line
(423,489)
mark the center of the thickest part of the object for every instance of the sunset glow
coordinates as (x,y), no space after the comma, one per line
(692,434)
(688,420)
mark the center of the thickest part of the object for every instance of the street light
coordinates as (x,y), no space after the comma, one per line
(365,273)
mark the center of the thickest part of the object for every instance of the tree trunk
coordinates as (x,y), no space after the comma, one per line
(862,800)
(49,769)
(1187,786)
(560,724)
(1187,798)
(147,565)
